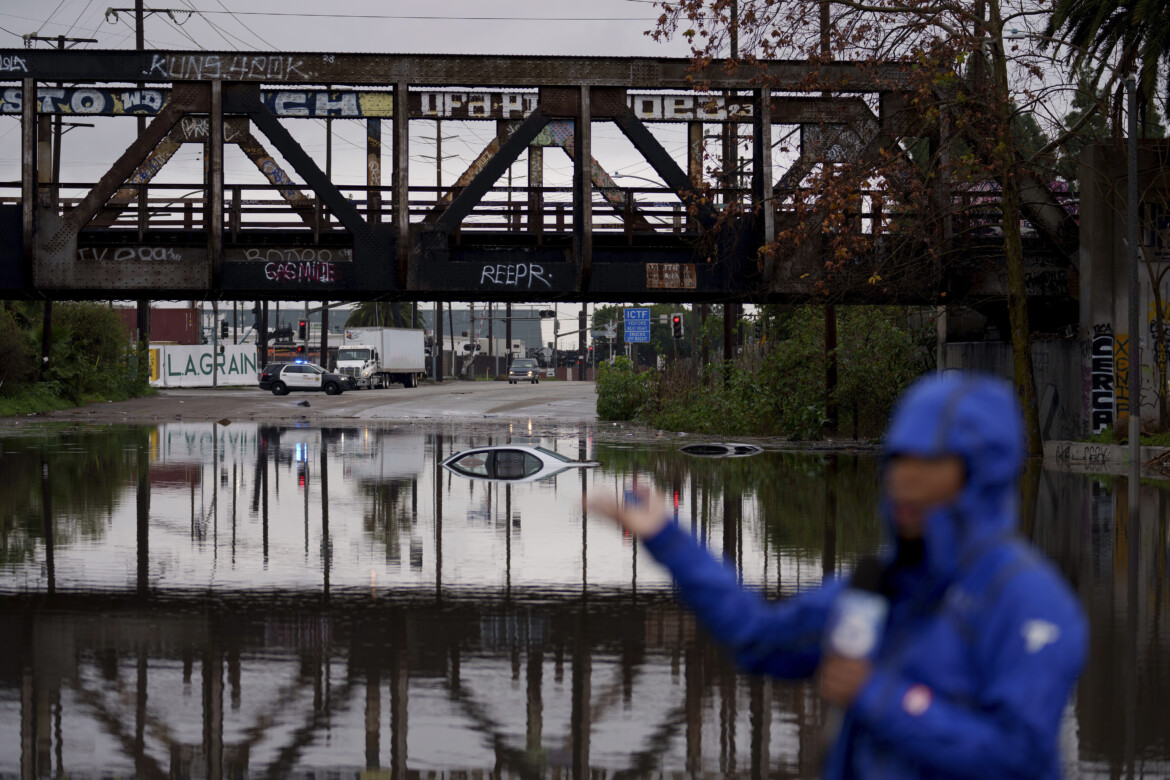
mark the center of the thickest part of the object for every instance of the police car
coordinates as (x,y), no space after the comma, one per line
(283,378)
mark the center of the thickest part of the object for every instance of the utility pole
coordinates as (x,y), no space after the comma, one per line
(143,318)
(581,339)
(491,312)
(54,182)
(325,304)
(508,333)
(830,311)
(437,343)
(730,180)
(215,346)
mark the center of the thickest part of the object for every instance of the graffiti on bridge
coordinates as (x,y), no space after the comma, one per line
(123,254)
(88,100)
(519,275)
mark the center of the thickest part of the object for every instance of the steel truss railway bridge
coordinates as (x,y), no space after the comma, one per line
(301,235)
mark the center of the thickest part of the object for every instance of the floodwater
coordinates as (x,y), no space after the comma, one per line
(197,600)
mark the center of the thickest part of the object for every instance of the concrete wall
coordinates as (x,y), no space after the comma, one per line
(1060,379)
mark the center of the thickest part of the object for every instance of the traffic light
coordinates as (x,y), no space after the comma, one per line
(223,329)
(300,349)
(302,326)
(676,325)
(547,314)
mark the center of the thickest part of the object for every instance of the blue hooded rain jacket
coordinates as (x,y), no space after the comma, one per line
(984,640)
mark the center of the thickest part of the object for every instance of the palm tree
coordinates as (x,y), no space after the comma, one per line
(1137,32)
(372,314)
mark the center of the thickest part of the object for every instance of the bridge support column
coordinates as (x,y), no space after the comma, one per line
(1104,284)
(437,343)
(374,170)
(762,177)
(262,325)
(215,187)
(583,187)
(508,335)
(402,181)
(28,177)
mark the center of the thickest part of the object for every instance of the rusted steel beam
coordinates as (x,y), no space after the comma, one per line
(491,171)
(187,99)
(762,195)
(302,204)
(484,104)
(215,184)
(583,190)
(536,190)
(235,131)
(143,174)
(245,99)
(560,133)
(474,70)
(401,162)
(489,151)
(663,164)
(374,170)
(28,181)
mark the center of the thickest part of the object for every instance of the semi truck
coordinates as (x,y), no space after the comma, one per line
(375,357)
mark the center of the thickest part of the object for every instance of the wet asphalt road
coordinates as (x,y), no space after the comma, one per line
(451,401)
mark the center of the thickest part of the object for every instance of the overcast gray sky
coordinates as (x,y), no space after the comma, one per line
(600,27)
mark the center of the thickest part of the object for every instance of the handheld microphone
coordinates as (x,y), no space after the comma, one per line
(858,616)
(853,630)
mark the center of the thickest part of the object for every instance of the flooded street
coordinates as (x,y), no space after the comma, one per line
(257,600)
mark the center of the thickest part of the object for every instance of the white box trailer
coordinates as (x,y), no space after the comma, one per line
(376,357)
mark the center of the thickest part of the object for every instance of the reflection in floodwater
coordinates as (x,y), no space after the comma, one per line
(252,601)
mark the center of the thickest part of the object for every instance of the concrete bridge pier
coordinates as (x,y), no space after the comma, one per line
(1108,349)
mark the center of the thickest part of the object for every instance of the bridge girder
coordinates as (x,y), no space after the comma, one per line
(346,249)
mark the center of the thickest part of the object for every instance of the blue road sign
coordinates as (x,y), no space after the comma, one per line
(637,326)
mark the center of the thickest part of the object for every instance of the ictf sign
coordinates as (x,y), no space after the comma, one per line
(637,326)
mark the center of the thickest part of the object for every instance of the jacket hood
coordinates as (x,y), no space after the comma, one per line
(976,418)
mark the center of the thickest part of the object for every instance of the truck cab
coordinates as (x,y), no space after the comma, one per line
(360,366)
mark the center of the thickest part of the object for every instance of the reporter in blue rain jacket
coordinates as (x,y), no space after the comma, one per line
(983,642)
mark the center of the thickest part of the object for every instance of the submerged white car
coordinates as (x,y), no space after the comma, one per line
(511,463)
(730,450)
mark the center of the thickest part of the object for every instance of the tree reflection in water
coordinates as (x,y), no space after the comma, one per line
(194,634)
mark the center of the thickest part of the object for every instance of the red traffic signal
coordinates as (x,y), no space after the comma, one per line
(301,349)
(676,325)
(301,326)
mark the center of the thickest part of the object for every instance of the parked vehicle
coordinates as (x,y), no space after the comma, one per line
(376,357)
(283,378)
(511,463)
(524,370)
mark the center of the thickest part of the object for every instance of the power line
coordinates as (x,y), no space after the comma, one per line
(50,17)
(440,18)
(78,19)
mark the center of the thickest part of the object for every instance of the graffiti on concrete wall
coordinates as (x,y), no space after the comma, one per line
(1121,373)
(1101,378)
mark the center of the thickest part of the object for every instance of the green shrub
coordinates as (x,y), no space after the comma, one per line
(778,387)
(621,390)
(89,355)
(17,359)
